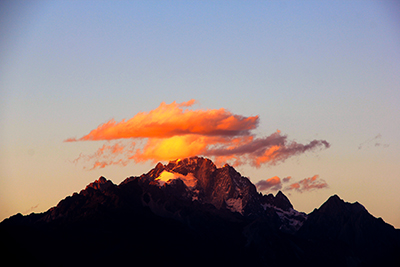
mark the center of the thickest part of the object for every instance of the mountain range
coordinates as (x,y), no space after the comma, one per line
(189,212)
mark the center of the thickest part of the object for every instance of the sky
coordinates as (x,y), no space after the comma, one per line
(298,96)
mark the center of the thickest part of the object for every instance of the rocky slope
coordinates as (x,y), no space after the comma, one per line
(189,212)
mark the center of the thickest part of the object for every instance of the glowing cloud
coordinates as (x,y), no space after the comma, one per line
(173,131)
(171,120)
(167,176)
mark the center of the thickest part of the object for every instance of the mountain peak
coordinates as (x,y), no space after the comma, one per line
(280,194)
(282,201)
(351,224)
(100,184)
(335,204)
(279,201)
(190,163)
(335,198)
(222,187)
(101,180)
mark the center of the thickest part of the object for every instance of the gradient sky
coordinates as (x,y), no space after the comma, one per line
(325,70)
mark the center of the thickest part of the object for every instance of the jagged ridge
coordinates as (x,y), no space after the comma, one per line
(204,209)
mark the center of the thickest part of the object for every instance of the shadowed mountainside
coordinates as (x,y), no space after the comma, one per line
(189,212)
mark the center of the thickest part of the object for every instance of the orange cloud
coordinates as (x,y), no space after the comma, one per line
(173,131)
(162,149)
(171,120)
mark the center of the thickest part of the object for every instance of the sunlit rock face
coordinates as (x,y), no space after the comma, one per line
(224,187)
(221,187)
(101,184)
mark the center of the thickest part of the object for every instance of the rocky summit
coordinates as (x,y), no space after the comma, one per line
(190,212)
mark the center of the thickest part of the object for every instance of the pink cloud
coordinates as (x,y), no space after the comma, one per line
(307,184)
(273,183)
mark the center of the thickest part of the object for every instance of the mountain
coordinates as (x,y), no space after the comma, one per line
(353,231)
(189,212)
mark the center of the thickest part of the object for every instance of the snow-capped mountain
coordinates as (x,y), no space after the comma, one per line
(190,212)
(198,179)
(222,187)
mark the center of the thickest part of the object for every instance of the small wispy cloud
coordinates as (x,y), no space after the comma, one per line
(306,184)
(373,141)
(31,209)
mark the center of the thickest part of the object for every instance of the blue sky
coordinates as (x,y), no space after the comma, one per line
(312,69)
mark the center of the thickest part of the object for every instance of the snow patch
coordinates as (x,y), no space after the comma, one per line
(195,195)
(291,220)
(166,176)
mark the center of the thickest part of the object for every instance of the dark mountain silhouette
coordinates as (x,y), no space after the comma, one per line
(348,230)
(189,212)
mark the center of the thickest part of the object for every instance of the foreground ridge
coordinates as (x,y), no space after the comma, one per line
(191,211)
